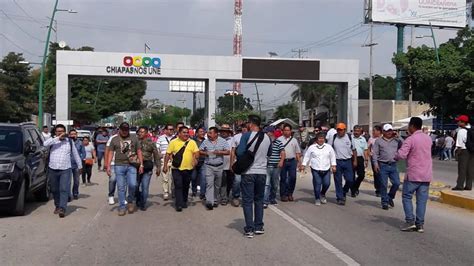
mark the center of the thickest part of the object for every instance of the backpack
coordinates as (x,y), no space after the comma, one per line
(245,160)
(470,140)
(334,138)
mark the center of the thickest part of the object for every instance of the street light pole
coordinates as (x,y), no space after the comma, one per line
(434,43)
(45,53)
(371,80)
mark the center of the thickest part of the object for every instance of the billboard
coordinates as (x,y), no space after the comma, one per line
(440,13)
(187,86)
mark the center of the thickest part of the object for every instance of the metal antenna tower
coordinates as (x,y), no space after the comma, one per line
(237,37)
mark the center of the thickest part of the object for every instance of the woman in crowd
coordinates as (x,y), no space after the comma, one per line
(88,161)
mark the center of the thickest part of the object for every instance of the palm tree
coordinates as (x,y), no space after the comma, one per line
(317,95)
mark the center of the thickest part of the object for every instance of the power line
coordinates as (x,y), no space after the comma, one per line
(26,13)
(18,46)
(18,26)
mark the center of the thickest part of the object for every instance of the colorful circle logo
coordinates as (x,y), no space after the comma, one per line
(138,61)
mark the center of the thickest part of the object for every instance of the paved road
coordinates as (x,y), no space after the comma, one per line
(298,233)
(445,171)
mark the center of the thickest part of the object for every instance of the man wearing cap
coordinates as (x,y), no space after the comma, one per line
(276,160)
(384,151)
(292,162)
(128,156)
(346,161)
(228,176)
(465,158)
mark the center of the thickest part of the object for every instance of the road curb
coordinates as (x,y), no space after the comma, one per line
(456,199)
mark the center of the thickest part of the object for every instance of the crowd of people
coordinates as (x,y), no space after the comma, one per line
(249,166)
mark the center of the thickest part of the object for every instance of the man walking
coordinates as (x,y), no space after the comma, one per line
(199,172)
(384,151)
(448,147)
(74,166)
(237,178)
(228,176)
(292,162)
(346,161)
(214,148)
(128,157)
(362,150)
(151,157)
(464,156)
(416,149)
(376,133)
(62,153)
(101,141)
(253,180)
(184,154)
(163,142)
(112,177)
(276,160)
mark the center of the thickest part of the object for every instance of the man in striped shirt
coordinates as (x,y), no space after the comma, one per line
(163,142)
(276,159)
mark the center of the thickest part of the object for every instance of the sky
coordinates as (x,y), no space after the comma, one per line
(205,27)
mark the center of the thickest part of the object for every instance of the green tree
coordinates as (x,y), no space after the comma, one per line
(92,98)
(198,117)
(288,110)
(316,95)
(17,97)
(233,118)
(227,104)
(447,87)
(383,88)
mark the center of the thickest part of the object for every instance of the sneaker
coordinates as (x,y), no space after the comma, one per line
(209,206)
(408,227)
(126,202)
(121,212)
(62,213)
(391,203)
(260,231)
(274,202)
(166,196)
(385,207)
(324,200)
(249,234)
(111,201)
(265,205)
(130,208)
(235,202)
(318,202)
(419,229)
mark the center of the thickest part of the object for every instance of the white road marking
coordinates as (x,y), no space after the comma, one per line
(341,255)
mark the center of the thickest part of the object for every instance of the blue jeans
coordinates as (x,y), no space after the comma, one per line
(60,183)
(199,177)
(343,168)
(288,178)
(100,155)
(271,184)
(253,190)
(143,187)
(112,182)
(75,185)
(422,191)
(448,154)
(321,179)
(126,174)
(388,170)
(236,186)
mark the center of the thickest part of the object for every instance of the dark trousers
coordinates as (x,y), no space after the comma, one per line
(100,155)
(359,172)
(86,173)
(181,181)
(253,190)
(377,182)
(228,181)
(288,178)
(75,184)
(196,178)
(465,169)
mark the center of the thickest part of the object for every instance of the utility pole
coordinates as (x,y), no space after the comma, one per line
(258,101)
(410,92)
(371,79)
(300,53)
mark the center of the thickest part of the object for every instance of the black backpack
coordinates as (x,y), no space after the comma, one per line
(245,161)
(178,157)
(470,140)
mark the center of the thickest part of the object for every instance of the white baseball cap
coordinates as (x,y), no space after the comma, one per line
(387,127)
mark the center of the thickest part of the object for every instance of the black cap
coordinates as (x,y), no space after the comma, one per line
(124,125)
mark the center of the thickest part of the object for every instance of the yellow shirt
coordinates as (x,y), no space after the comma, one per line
(176,144)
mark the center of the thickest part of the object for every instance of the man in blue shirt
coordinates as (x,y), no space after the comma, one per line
(74,167)
(101,141)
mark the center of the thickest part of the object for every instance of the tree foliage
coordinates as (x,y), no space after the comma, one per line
(448,87)
(383,88)
(93,98)
(288,110)
(233,118)
(17,96)
(198,117)
(229,103)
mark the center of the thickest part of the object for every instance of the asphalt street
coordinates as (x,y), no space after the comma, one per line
(297,233)
(445,171)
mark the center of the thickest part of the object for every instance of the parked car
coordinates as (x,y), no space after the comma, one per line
(81,133)
(23,165)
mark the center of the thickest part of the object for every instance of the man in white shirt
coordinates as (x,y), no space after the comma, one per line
(465,158)
(162,144)
(331,132)
(322,160)
(45,133)
(448,147)
(292,162)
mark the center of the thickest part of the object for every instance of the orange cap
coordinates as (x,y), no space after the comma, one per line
(341,126)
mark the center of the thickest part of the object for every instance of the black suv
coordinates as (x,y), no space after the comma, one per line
(23,165)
